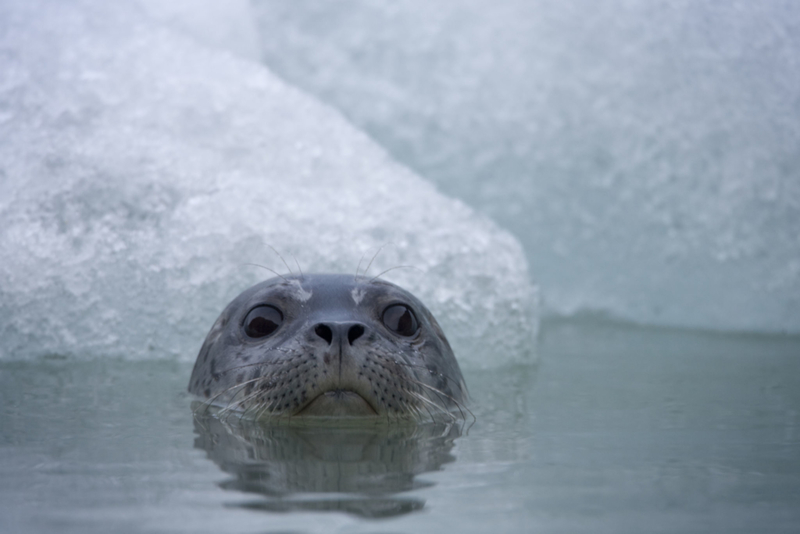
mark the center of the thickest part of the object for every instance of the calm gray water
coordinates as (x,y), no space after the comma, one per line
(619,429)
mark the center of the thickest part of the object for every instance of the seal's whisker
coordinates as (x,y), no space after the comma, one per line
(259,405)
(250,408)
(281,257)
(423,368)
(444,410)
(248,397)
(302,278)
(396,267)
(255,409)
(212,399)
(241,386)
(461,407)
(419,397)
(458,404)
(430,402)
(273,271)
(358,267)
(376,255)
(230,407)
(439,393)
(266,407)
(198,419)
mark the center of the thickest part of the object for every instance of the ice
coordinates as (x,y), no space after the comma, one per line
(223,24)
(647,154)
(141,171)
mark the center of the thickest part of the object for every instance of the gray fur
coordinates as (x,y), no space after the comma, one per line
(379,373)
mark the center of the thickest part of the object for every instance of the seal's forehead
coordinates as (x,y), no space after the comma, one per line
(338,289)
(332,289)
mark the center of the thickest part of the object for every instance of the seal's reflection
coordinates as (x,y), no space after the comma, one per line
(359,469)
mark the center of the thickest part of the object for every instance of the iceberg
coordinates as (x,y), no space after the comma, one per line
(644,153)
(145,178)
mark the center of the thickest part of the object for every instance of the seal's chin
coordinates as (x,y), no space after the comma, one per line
(338,403)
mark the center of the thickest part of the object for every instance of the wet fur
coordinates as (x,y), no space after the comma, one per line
(400,378)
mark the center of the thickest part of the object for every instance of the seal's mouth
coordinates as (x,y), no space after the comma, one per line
(338,403)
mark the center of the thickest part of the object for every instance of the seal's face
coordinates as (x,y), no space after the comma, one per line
(329,345)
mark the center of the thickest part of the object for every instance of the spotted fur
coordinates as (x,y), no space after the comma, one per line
(282,374)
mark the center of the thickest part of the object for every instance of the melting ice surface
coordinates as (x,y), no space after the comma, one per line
(142,172)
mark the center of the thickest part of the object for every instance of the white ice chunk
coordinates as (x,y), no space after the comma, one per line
(141,172)
(647,154)
(223,24)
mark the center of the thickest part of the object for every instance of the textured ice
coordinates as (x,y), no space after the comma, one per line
(223,24)
(647,154)
(141,171)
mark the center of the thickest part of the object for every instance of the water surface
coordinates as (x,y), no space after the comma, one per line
(619,429)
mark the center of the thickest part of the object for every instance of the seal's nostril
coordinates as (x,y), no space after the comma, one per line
(324,332)
(355,332)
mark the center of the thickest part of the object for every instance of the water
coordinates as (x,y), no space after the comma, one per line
(619,429)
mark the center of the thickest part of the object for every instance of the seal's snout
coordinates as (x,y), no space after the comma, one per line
(335,333)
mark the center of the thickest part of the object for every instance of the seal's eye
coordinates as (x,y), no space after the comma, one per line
(400,319)
(262,321)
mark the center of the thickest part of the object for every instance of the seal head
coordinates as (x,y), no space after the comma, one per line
(329,345)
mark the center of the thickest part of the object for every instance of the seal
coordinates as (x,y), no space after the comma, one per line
(329,345)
